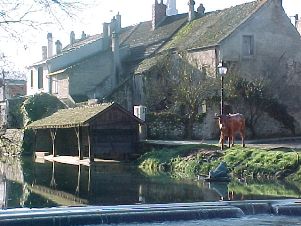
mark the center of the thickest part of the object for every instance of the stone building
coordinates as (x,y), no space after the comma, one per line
(257,40)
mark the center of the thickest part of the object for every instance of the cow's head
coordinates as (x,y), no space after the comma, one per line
(222,122)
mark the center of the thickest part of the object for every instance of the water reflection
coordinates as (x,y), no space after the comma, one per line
(3,188)
(31,184)
(221,188)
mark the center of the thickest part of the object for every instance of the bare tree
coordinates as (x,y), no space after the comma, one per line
(183,86)
(18,15)
(20,18)
(191,88)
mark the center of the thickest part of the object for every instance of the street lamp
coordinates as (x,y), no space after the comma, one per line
(222,70)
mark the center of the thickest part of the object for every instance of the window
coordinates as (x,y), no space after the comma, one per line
(248,45)
(55,85)
(31,78)
(40,77)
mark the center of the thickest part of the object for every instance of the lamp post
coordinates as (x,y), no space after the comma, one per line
(222,70)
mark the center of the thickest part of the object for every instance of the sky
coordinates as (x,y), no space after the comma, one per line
(90,20)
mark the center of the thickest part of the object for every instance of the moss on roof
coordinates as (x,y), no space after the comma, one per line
(144,41)
(212,28)
(149,63)
(145,35)
(71,117)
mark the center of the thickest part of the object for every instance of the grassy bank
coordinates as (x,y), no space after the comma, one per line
(193,160)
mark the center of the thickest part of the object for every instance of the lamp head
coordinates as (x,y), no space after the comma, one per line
(222,69)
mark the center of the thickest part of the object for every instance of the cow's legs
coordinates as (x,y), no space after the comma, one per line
(229,141)
(221,141)
(242,135)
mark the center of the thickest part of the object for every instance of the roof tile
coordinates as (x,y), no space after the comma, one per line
(71,117)
(212,28)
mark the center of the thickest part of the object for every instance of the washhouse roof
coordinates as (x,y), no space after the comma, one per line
(74,117)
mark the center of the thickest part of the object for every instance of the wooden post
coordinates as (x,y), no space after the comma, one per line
(53,135)
(35,140)
(78,135)
(91,157)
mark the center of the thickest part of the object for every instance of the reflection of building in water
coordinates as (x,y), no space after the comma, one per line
(77,190)
(52,189)
(11,171)
(58,197)
(52,182)
(3,192)
(221,188)
(141,198)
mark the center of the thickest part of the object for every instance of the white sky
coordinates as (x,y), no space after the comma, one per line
(90,20)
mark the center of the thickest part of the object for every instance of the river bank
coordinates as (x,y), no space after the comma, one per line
(192,161)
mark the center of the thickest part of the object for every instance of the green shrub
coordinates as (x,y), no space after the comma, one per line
(34,108)
(39,106)
(15,116)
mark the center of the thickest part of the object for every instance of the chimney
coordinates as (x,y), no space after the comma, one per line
(296,19)
(83,35)
(191,13)
(298,26)
(58,45)
(115,50)
(112,26)
(118,23)
(72,37)
(159,13)
(44,52)
(201,10)
(171,8)
(50,45)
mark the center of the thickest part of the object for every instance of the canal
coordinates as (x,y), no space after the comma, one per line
(25,183)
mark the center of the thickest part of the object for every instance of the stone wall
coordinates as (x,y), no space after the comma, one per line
(11,142)
(165,127)
(205,60)
(89,74)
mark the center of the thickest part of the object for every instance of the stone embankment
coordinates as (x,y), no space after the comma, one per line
(11,142)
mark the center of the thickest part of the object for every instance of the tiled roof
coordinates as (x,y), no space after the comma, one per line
(149,63)
(81,42)
(213,27)
(73,117)
(143,40)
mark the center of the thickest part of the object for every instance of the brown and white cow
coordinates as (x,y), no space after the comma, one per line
(230,125)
